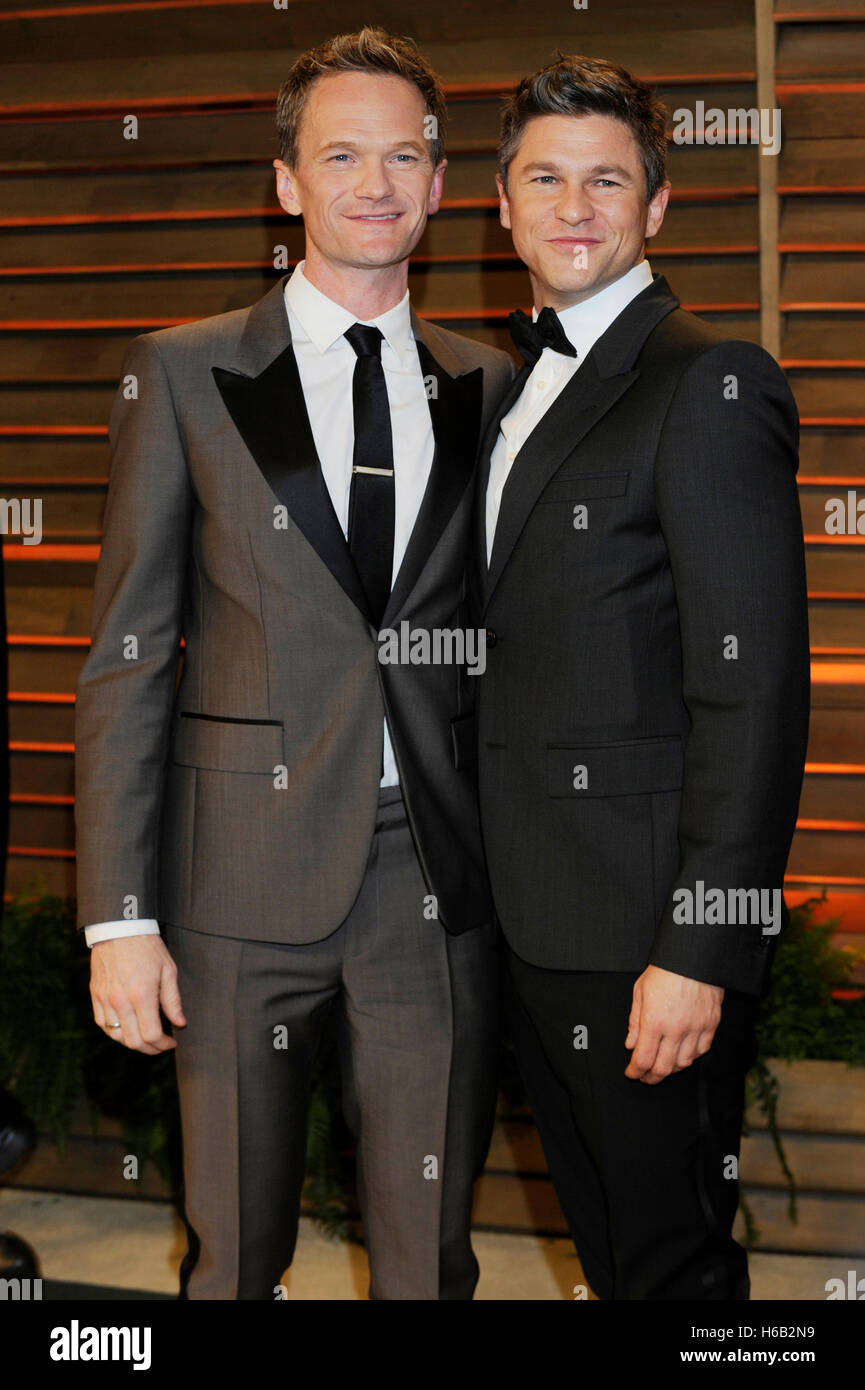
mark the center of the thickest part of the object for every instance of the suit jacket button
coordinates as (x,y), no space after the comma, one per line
(491,637)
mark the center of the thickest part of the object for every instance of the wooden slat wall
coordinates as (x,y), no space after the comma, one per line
(820,84)
(103,238)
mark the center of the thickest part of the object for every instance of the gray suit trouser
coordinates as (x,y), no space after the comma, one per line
(417,1028)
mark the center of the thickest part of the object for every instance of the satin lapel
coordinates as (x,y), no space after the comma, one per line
(479,543)
(270,412)
(583,402)
(607,372)
(455,404)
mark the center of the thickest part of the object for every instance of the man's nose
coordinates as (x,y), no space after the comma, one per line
(373,181)
(574,205)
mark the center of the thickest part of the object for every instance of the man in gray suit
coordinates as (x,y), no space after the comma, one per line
(289,483)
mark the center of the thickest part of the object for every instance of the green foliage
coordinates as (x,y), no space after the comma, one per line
(50,1048)
(800,1017)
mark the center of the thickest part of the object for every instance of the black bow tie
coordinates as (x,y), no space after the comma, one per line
(531,338)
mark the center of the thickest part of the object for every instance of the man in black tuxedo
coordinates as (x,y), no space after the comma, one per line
(643,718)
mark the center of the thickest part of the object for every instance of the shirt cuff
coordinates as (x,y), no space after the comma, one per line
(106,931)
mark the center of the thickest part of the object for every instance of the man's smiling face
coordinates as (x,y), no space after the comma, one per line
(576,205)
(363,180)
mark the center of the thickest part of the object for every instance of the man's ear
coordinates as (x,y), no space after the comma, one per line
(286,189)
(435,195)
(504,205)
(656,209)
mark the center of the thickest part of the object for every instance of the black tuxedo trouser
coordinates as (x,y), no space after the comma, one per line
(639,1169)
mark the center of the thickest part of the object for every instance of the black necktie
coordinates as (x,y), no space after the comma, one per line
(371,499)
(531,338)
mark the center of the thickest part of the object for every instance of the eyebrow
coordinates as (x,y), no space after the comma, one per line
(545,167)
(355,145)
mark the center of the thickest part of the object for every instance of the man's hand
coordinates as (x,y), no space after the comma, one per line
(673,1020)
(130,976)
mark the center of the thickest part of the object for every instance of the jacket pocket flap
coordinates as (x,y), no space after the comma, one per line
(574,487)
(228,745)
(631,768)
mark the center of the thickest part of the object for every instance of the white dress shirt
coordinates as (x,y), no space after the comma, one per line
(325,362)
(583,324)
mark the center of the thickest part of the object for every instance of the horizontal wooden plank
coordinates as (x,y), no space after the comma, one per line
(826,1225)
(816,1096)
(820,51)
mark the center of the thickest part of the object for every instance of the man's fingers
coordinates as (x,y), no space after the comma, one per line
(129,1032)
(169,997)
(129,978)
(150,1024)
(634,1021)
(664,1063)
(644,1053)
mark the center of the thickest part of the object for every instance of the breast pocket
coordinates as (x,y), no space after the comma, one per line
(579,487)
(225,744)
(580,515)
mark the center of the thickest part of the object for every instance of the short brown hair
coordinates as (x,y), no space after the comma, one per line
(371,49)
(577,86)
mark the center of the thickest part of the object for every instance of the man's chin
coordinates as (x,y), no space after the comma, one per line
(570,285)
(370,256)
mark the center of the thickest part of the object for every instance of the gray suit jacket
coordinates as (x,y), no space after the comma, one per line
(242,801)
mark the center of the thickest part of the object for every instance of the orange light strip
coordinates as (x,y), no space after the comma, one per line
(23,746)
(90,431)
(817,480)
(77,554)
(818,538)
(821,189)
(845,826)
(41,697)
(832,881)
(825,87)
(818,247)
(39,799)
(832,421)
(48,639)
(816,306)
(838,673)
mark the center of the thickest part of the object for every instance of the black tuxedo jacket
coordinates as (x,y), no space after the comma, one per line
(643,719)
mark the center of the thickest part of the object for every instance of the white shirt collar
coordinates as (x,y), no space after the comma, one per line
(324,321)
(585,322)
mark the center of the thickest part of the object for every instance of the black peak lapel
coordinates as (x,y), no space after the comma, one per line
(479,546)
(270,413)
(455,404)
(605,374)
